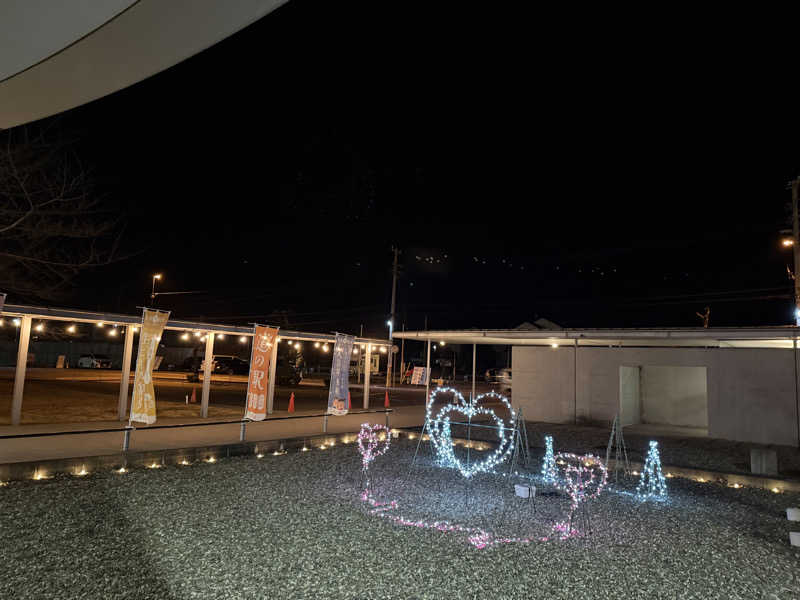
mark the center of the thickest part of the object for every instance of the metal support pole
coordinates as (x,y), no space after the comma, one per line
(575,377)
(207,364)
(22,364)
(127,355)
(796,389)
(796,249)
(403,357)
(387,419)
(242,431)
(271,383)
(428,378)
(474,353)
(126,441)
(367,373)
(325,424)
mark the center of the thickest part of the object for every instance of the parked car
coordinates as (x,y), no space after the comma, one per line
(230,365)
(499,377)
(286,374)
(94,361)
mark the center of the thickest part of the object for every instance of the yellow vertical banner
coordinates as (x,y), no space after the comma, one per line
(143,405)
(264,339)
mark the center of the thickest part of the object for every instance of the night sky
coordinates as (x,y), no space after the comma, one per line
(527,165)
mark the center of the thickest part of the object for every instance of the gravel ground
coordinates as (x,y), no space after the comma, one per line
(293,526)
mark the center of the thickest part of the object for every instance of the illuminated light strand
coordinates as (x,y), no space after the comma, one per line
(651,481)
(583,479)
(441,432)
(371,445)
(549,473)
(479,538)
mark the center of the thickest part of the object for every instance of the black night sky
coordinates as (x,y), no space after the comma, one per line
(527,165)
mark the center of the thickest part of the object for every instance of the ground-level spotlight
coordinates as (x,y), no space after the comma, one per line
(775,490)
(211,459)
(304,449)
(154,465)
(39,475)
(259,455)
(82,472)
(121,470)
(184,462)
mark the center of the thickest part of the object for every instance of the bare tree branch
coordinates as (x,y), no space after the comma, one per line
(53,223)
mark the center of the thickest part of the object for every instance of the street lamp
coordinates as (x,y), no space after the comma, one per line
(156,277)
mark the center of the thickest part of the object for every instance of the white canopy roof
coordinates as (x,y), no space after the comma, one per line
(58,55)
(732,337)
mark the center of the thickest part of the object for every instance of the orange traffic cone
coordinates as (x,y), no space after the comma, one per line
(348,399)
(291,403)
(386,400)
(194,396)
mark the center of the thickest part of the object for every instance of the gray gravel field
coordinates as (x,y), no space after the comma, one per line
(293,526)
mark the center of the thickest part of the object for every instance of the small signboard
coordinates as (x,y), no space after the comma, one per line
(420,376)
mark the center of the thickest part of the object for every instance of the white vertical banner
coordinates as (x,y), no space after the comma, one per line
(340,375)
(143,404)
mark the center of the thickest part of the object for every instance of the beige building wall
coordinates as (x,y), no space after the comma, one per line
(751,393)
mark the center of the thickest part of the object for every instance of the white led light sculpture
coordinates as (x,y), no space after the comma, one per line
(440,426)
(651,481)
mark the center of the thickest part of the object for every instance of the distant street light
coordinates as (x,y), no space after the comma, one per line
(156,277)
(787,242)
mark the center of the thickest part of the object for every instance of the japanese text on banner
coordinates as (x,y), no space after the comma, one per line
(264,339)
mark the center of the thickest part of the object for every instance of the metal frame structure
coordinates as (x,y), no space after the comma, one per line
(26,314)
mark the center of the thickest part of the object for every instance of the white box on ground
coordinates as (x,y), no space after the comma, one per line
(794,538)
(793,514)
(525,491)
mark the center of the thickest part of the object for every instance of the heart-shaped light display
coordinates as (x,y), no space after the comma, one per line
(440,425)
(582,476)
(370,444)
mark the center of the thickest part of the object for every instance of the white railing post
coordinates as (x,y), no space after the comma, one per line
(22,364)
(367,373)
(428,378)
(273,364)
(207,364)
(474,353)
(127,355)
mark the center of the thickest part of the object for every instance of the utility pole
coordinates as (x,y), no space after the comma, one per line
(391,318)
(796,250)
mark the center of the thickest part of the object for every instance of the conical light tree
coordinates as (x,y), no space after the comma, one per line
(549,464)
(651,480)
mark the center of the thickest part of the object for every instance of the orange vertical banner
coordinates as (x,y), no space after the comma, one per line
(143,404)
(264,339)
